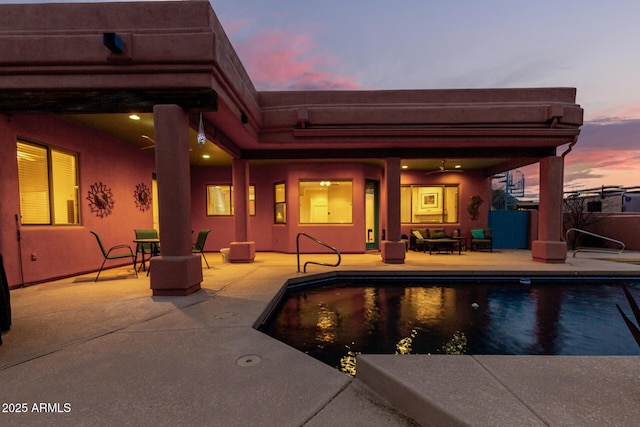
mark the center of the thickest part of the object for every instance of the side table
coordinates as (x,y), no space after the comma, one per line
(462,242)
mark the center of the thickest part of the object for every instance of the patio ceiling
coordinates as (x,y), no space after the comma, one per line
(140,134)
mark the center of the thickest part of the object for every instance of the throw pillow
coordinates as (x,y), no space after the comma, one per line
(437,233)
(417,234)
(477,233)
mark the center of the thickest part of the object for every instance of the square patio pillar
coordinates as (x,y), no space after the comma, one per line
(177,271)
(241,250)
(549,247)
(393,250)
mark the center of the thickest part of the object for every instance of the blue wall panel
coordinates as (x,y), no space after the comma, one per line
(510,229)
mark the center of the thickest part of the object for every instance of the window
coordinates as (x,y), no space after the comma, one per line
(429,204)
(48,181)
(326,202)
(279,204)
(220,200)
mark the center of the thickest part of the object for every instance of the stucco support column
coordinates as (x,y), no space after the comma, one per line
(177,271)
(241,249)
(10,206)
(393,249)
(549,247)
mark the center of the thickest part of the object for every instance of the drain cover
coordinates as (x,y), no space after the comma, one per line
(224,315)
(248,360)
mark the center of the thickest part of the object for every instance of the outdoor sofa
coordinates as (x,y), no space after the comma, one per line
(434,239)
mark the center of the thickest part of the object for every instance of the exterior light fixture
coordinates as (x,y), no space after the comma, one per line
(113,42)
(202,138)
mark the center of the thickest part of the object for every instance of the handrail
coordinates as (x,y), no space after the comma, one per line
(584,249)
(314,262)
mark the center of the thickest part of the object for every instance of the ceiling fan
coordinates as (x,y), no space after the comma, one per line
(443,169)
(148,138)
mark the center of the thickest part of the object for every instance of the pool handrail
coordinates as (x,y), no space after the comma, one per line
(315,262)
(587,249)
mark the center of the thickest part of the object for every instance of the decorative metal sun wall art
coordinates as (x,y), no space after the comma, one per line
(100,199)
(142,196)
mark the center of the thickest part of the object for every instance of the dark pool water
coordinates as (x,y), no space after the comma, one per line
(333,323)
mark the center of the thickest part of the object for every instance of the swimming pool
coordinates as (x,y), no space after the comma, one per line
(336,320)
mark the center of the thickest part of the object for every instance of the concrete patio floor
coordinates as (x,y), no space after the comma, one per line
(109,353)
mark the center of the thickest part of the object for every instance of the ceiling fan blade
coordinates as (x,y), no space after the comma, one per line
(443,169)
(148,138)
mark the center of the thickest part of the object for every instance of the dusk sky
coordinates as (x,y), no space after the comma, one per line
(593,46)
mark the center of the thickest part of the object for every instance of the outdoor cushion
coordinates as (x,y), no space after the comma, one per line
(417,234)
(487,233)
(437,233)
(477,233)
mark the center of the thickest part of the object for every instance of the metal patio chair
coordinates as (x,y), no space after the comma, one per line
(198,246)
(118,248)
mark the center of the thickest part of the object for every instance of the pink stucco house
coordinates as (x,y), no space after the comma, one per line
(357,169)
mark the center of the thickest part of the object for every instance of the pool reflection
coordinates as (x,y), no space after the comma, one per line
(335,323)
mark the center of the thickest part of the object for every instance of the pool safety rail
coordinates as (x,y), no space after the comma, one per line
(591,249)
(315,262)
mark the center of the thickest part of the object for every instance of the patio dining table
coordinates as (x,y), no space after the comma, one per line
(141,244)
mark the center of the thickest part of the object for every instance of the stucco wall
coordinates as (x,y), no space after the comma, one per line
(66,250)
(349,238)
(624,227)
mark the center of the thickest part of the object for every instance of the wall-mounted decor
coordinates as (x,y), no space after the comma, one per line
(475,202)
(429,201)
(142,196)
(100,199)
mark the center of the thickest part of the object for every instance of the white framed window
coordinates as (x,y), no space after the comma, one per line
(220,200)
(326,202)
(433,204)
(48,181)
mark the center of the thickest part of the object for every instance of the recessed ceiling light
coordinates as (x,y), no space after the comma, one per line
(205,156)
(405,167)
(134,117)
(457,166)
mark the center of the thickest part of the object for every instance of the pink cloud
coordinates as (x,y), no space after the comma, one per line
(618,114)
(233,26)
(606,154)
(276,60)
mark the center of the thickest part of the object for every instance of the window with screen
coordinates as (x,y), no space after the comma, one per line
(48,185)
(436,204)
(279,203)
(220,200)
(326,202)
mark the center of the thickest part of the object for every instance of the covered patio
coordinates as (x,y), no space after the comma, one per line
(173,62)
